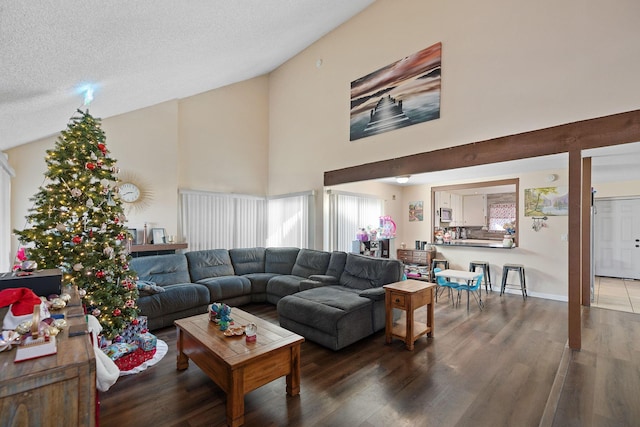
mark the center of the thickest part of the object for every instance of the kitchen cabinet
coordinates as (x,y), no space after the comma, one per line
(457,210)
(444,199)
(475,210)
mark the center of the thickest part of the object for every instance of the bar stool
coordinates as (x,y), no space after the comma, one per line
(519,268)
(438,262)
(486,271)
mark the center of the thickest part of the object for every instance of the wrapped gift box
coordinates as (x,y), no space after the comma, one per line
(146,341)
(130,333)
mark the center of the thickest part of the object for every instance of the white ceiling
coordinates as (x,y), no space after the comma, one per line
(140,53)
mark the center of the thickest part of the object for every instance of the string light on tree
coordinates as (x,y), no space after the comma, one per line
(77,223)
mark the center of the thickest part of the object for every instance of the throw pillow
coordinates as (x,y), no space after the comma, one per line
(146,287)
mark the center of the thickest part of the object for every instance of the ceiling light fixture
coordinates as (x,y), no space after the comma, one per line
(403,179)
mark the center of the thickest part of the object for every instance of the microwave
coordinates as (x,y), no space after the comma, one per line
(446,215)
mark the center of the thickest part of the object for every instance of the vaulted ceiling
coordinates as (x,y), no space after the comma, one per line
(140,53)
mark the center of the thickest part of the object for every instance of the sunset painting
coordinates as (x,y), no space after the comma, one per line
(404,93)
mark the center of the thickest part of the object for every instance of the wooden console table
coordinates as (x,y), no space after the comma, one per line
(408,295)
(56,390)
(159,249)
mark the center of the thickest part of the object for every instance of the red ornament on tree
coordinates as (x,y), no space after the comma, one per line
(117,312)
(135,321)
(102,148)
(100,274)
(77,240)
(121,236)
(116,220)
(91,166)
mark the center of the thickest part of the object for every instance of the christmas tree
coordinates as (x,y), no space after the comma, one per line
(77,224)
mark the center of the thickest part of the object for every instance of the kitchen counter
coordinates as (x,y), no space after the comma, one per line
(475,243)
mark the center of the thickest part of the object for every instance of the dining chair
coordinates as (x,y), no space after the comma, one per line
(446,284)
(472,288)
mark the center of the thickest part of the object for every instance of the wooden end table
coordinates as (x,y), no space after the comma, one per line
(235,365)
(408,295)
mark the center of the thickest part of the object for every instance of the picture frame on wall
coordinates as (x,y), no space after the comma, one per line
(157,236)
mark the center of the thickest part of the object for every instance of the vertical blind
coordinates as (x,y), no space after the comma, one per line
(347,214)
(290,221)
(6,173)
(214,220)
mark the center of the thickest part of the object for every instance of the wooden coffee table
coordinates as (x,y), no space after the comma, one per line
(235,365)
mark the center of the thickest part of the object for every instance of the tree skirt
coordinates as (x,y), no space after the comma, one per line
(161,350)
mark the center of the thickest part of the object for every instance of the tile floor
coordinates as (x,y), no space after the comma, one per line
(617,294)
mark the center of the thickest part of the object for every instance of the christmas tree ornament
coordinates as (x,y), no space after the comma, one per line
(76,198)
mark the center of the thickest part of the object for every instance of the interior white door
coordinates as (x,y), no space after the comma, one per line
(616,240)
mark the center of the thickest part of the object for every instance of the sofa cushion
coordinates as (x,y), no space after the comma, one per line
(176,297)
(259,281)
(333,316)
(362,272)
(209,263)
(309,262)
(374,294)
(247,260)
(280,286)
(162,269)
(336,264)
(280,260)
(225,287)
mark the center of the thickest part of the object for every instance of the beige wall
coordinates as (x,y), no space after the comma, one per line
(224,139)
(617,189)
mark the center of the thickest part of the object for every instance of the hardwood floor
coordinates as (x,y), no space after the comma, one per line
(489,368)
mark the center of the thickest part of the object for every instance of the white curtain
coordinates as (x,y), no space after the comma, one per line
(226,221)
(290,221)
(347,214)
(6,173)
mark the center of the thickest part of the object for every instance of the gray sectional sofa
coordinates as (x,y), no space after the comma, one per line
(332,298)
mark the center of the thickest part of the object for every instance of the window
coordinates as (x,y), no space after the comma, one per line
(501,214)
(347,214)
(290,221)
(226,221)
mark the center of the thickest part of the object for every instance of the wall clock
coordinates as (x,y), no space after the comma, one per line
(133,192)
(129,192)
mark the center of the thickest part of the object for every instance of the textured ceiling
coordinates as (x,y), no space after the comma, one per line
(140,53)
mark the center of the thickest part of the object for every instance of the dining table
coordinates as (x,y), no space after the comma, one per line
(462,275)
